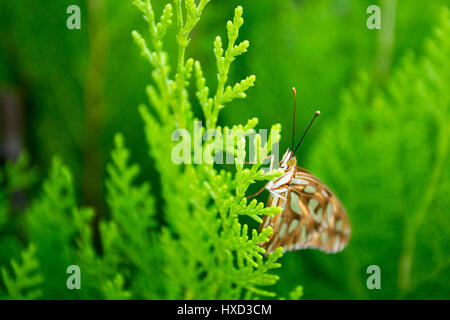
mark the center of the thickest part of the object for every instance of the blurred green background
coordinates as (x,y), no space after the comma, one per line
(69,91)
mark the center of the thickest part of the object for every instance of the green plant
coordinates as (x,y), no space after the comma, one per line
(179,230)
(208,252)
(390,169)
(26,277)
(192,245)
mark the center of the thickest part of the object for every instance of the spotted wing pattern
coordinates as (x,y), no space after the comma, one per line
(312,217)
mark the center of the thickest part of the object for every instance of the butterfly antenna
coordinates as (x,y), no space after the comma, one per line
(293,118)
(309,126)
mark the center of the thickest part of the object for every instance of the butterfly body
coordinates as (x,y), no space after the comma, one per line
(312,216)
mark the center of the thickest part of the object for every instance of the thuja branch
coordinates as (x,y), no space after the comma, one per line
(193,13)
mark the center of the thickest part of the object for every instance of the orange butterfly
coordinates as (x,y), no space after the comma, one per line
(312,215)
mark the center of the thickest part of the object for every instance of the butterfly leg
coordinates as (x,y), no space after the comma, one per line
(254,195)
(272,158)
(278,193)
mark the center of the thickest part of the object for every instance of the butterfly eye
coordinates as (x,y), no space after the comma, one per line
(291,162)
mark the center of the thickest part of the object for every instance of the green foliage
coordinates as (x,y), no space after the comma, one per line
(50,226)
(207,251)
(3,206)
(197,248)
(16,176)
(383,150)
(128,264)
(297,293)
(294,43)
(25,277)
(390,168)
(129,240)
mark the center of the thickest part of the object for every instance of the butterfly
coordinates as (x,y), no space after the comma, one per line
(312,216)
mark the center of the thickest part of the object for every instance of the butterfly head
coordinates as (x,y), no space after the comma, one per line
(288,161)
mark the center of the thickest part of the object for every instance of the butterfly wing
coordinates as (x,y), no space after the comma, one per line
(312,217)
